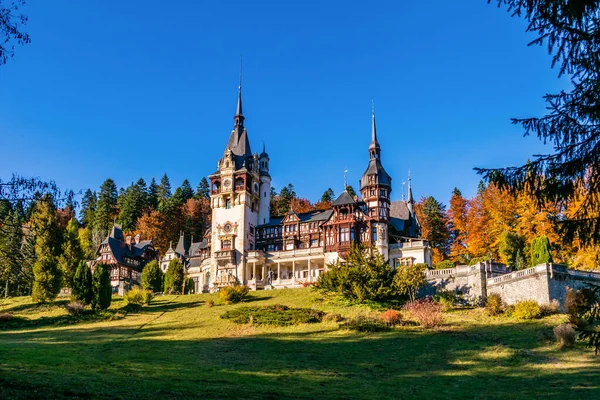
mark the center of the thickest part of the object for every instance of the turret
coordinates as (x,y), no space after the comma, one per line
(264,210)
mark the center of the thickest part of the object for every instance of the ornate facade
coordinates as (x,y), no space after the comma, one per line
(247,245)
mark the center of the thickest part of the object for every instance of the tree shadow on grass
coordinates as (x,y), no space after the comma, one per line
(28,307)
(481,362)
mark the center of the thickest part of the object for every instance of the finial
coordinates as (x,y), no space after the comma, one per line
(345,178)
(264,147)
(372,106)
(240,86)
(403,183)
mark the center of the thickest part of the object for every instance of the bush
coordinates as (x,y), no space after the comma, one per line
(75,308)
(365,323)
(332,317)
(494,305)
(138,296)
(152,277)
(446,298)
(550,309)
(189,286)
(565,335)
(427,313)
(444,264)
(526,310)
(234,294)
(364,276)
(173,279)
(209,303)
(391,317)
(82,284)
(409,279)
(6,317)
(278,315)
(102,291)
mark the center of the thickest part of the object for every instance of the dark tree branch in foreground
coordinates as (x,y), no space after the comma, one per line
(571,31)
(11,23)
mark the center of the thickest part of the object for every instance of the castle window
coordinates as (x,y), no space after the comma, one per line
(227,203)
(374,234)
(344,234)
(329,237)
(382,192)
(226,244)
(352,234)
(265,194)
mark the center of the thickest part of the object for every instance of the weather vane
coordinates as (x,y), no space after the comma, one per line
(345,178)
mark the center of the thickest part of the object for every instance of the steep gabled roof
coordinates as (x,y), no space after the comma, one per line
(344,199)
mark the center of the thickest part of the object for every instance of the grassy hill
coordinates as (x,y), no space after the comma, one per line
(178,348)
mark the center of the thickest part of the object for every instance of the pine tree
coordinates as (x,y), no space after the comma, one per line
(434,224)
(106,207)
(328,196)
(570,30)
(152,197)
(163,195)
(88,208)
(174,277)
(512,248)
(203,190)
(541,251)
(152,277)
(101,288)
(72,254)
(11,236)
(350,191)
(47,275)
(81,290)
(132,204)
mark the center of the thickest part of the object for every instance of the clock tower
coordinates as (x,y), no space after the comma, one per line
(235,202)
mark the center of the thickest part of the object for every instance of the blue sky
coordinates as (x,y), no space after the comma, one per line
(129,89)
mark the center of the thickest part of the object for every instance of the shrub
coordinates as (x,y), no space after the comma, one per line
(446,298)
(209,303)
(565,335)
(309,284)
(82,284)
(332,317)
(138,296)
(173,279)
(550,309)
(527,309)
(5,317)
(494,305)
(444,264)
(277,314)
(234,294)
(391,317)
(365,323)
(364,276)
(427,313)
(75,308)
(102,291)
(189,286)
(152,277)
(409,279)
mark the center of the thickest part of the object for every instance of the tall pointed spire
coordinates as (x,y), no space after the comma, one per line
(374,149)
(239,116)
(410,200)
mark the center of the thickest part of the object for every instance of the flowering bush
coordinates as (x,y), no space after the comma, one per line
(426,312)
(391,317)
(528,309)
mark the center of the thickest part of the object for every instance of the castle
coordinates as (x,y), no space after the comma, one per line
(247,245)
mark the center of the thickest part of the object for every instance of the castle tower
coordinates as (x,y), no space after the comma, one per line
(376,187)
(264,208)
(234,195)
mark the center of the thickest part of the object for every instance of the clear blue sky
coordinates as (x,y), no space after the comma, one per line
(129,89)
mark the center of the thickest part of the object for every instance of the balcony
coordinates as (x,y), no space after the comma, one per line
(225,256)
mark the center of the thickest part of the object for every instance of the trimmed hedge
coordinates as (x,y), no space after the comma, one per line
(278,315)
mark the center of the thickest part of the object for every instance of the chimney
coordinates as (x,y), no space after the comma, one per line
(138,238)
(128,240)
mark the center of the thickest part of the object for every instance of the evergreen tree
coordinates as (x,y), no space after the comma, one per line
(47,275)
(512,248)
(102,291)
(72,254)
(81,290)
(174,277)
(132,204)
(328,196)
(572,125)
(88,208)
(434,224)
(152,277)
(350,191)
(284,200)
(11,236)
(203,190)
(164,195)
(106,207)
(152,197)
(541,251)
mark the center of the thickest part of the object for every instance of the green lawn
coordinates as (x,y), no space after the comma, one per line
(178,348)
